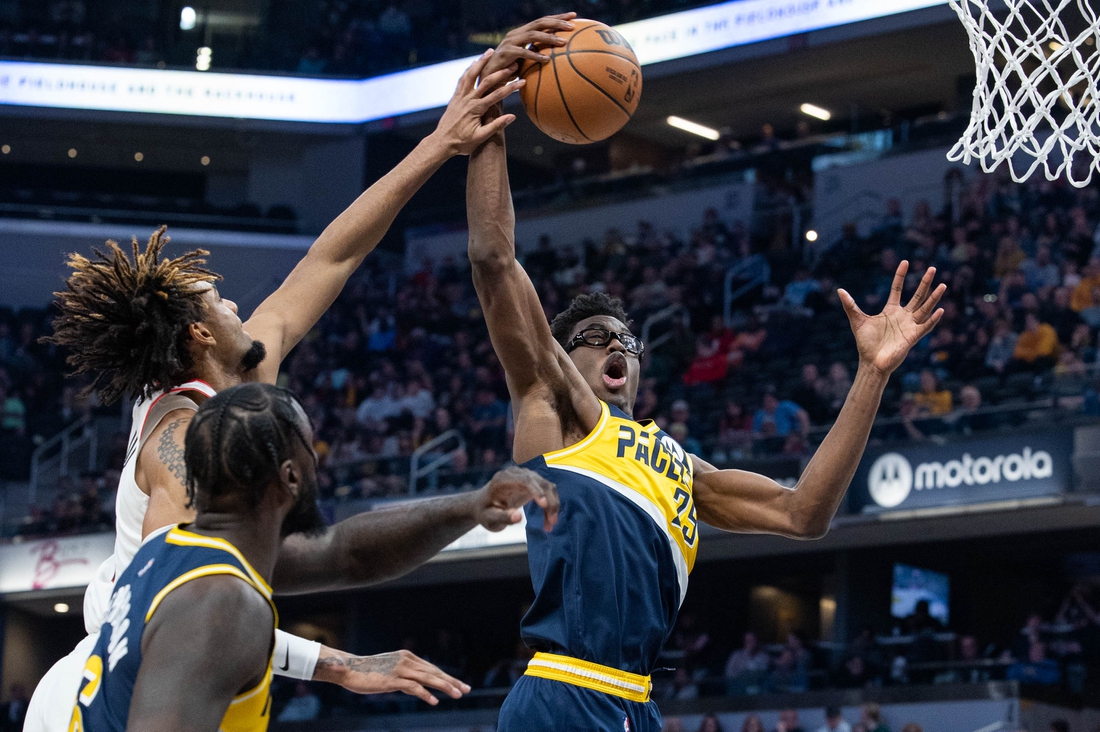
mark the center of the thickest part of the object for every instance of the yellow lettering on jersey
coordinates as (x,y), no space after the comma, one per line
(93,674)
(76,722)
(653,466)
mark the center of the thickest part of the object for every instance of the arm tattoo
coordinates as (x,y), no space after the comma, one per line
(383,663)
(170,453)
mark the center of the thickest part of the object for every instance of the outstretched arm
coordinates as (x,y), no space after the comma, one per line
(287,315)
(381,545)
(736,500)
(534,363)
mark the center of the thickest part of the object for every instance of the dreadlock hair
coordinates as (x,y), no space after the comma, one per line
(582,307)
(237,442)
(126,321)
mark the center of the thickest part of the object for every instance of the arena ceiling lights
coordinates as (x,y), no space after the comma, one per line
(344,101)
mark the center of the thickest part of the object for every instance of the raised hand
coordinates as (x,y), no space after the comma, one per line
(516,46)
(397,671)
(500,503)
(464,125)
(884,340)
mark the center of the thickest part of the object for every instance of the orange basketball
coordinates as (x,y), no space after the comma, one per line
(588,90)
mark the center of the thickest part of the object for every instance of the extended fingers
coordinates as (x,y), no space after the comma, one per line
(927,326)
(550,23)
(468,79)
(922,289)
(430,676)
(922,313)
(849,304)
(899,282)
(414,689)
(497,95)
(493,80)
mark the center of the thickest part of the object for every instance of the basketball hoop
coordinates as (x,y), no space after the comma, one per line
(1037,97)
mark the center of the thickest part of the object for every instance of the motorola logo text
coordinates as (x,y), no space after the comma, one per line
(892,478)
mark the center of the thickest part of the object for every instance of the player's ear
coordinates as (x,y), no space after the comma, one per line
(201,335)
(291,478)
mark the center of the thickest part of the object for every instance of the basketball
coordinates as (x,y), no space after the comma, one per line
(588,90)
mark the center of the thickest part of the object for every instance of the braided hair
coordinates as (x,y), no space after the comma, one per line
(583,307)
(237,442)
(125,321)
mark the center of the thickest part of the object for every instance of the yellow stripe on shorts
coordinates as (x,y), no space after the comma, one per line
(568,670)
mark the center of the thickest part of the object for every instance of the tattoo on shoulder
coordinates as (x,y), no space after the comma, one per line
(170,453)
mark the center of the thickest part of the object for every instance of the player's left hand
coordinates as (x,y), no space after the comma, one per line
(884,340)
(463,127)
(524,43)
(402,671)
(500,503)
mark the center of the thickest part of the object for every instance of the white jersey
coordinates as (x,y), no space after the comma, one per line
(131,502)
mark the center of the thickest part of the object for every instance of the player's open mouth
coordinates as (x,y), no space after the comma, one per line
(614,371)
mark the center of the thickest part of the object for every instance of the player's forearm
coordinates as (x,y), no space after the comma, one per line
(489,210)
(819,491)
(375,546)
(317,280)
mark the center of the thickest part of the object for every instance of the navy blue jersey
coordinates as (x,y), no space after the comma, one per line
(610,578)
(163,563)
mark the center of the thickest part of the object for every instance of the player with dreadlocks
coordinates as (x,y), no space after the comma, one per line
(609,579)
(157,329)
(188,636)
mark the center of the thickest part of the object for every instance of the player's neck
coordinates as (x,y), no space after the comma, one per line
(216,375)
(255,535)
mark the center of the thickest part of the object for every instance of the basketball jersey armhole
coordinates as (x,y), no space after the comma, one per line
(605,415)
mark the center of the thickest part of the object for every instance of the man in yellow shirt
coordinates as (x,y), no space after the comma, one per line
(1082,294)
(931,400)
(1037,346)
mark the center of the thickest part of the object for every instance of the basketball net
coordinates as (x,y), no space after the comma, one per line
(1036,101)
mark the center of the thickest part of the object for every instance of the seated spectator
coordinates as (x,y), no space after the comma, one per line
(834,721)
(672,724)
(870,716)
(487,418)
(922,621)
(931,399)
(1082,292)
(1037,669)
(683,686)
(788,721)
(800,288)
(734,434)
(790,673)
(710,723)
(690,639)
(809,395)
(854,674)
(1040,272)
(1002,347)
(1091,314)
(967,419)
(679,432)
(747,667)
(752,723)
(304,706)
(1036,347)
(834,387)
(710,365)
(779,418)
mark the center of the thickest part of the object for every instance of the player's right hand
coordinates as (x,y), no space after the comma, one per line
(516,44)
(462,128)
(402,671)
(500,503)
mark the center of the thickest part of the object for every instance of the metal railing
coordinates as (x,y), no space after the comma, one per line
(751,273)
(436,458)
(58,450)
(669,313)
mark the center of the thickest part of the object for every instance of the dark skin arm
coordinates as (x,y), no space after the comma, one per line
(381,545)
(553,405)
(208,641)
(736,500)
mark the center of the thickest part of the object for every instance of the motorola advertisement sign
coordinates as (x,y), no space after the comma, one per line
(963,472)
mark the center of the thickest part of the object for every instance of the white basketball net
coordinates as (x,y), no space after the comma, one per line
(1037,100)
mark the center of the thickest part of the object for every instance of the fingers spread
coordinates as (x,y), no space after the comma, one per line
(922,289)
(849,304)
(469,77)
(498,95)
(929,324)
(929,304)
(414,689)
(494,79)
